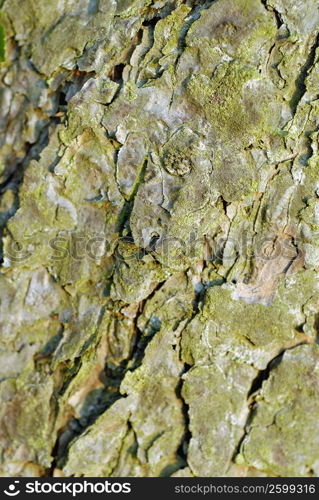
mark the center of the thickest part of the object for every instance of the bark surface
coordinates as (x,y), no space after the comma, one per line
(159,218)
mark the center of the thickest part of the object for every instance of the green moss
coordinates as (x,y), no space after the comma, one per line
(172,25)
(236,101)
(129,8)
(285,415)
(250,333)
(130,91)
(33,426)
(215,419)
(2,44)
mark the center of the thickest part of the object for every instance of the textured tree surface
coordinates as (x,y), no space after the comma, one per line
(159,222)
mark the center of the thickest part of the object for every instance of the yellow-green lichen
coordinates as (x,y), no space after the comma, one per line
(2,44)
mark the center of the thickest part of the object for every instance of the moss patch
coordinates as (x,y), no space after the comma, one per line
(2,44)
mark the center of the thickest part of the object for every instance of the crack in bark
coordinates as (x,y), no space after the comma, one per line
(271,8)
(256,386)
(300,81)
(125,214)
(76,427)
(193,16)
(183,448)
(33,152)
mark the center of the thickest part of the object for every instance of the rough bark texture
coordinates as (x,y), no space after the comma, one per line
(160,219)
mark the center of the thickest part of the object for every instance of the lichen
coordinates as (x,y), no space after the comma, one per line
(159,228)
(2,44)
(285,412)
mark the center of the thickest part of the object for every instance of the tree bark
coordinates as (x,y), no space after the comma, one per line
(159,221)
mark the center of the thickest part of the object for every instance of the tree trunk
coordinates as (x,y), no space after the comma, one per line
(160,218)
